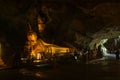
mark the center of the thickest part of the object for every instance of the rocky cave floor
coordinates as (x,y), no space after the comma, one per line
(106,68)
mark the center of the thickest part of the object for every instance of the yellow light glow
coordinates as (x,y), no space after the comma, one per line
(41,24)
(41,27)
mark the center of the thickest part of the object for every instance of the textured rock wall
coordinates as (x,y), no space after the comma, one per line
(92,20)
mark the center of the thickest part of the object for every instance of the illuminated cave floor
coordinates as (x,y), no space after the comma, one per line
(64,72)
(106,68)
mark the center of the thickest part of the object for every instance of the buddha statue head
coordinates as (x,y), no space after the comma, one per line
(31,36)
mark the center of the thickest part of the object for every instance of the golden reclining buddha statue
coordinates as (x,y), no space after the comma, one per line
(35,47)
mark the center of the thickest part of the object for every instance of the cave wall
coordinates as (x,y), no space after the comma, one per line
(92,20)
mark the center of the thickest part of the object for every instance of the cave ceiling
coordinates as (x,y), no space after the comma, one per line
(94,18)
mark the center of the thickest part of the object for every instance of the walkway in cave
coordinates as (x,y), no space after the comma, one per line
(108,58)
(100,69)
